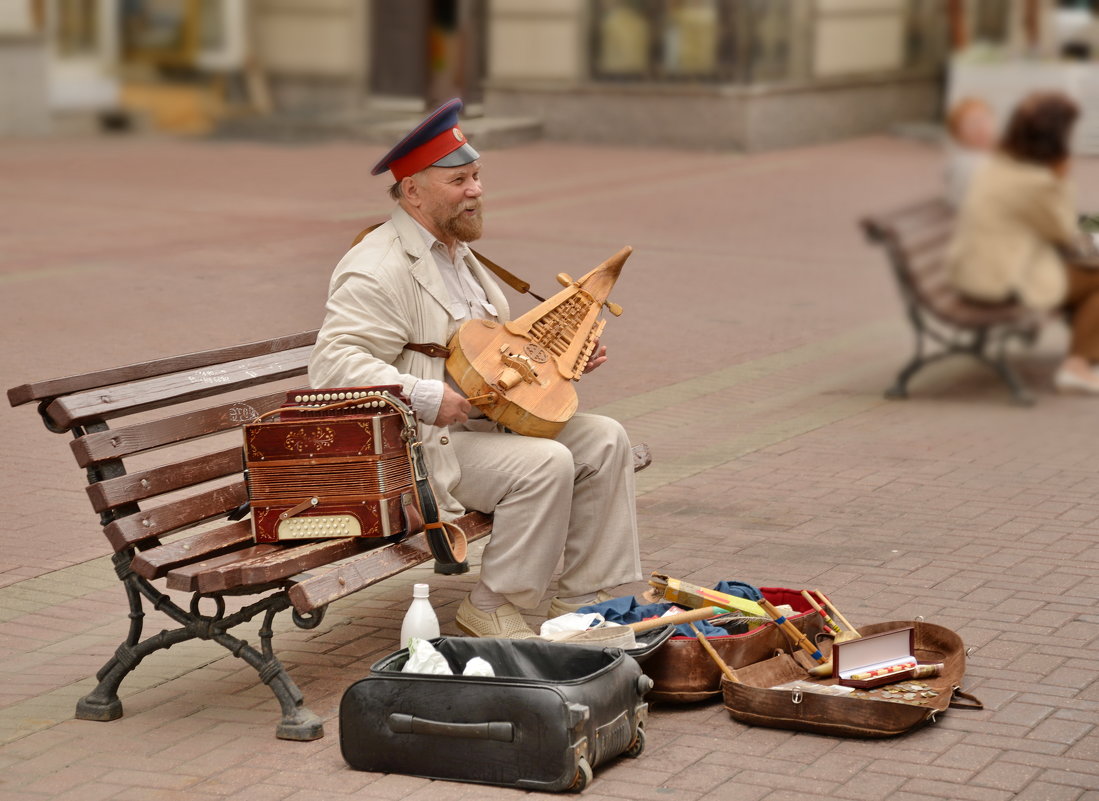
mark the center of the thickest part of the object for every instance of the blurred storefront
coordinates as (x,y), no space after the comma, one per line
(742,74)
(717,73)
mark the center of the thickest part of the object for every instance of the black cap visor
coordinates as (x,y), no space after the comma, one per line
(456,158)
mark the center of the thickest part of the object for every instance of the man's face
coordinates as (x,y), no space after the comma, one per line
(451,200)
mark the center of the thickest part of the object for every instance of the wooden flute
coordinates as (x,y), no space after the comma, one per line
(792,631)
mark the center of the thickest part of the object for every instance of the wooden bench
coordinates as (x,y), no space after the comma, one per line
(176,441)
(915,239)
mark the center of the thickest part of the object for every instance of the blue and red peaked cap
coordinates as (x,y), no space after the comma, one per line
(435,142)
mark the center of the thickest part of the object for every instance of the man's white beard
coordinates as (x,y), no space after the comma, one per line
(464,227)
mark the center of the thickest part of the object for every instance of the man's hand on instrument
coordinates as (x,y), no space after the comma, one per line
(453,408)
(599,355)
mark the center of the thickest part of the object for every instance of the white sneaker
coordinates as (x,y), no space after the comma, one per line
(1071,383)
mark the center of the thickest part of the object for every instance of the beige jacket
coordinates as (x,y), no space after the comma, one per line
(1009,227)
(385,292)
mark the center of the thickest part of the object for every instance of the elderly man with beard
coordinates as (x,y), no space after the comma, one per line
(394,300)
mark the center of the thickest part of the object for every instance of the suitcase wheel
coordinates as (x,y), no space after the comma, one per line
(583,776)
(634,749)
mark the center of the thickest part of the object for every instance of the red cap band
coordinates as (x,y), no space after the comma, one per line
(427,154)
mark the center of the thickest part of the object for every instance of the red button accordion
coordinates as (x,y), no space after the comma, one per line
(336,463)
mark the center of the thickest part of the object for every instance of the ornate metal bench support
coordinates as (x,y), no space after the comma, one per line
(103,703)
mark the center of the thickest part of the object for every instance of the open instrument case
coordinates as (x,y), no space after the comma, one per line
(682,671)
(871,712)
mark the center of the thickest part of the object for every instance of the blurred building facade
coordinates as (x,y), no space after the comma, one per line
(741,74)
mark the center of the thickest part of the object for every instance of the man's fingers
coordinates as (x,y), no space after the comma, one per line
(596,360)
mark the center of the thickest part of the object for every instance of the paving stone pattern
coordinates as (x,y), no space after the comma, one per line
(760,331)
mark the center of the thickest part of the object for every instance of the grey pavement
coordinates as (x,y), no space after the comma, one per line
(759,333)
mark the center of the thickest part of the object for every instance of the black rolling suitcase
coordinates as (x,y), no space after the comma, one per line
(550,714)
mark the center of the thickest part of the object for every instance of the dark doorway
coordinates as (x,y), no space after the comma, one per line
(428,49)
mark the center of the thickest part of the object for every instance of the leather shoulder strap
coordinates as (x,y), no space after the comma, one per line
(516,283)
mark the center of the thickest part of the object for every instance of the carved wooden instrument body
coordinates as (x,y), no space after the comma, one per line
(521,373)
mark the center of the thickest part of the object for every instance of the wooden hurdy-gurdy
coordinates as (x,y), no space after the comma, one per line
(521,373)
(320,472)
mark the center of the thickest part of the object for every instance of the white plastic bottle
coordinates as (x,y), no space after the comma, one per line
(419,620)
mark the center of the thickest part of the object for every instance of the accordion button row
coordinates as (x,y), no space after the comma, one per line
(321,397)
(319,526)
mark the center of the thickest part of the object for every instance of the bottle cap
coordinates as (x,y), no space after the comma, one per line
(419,590)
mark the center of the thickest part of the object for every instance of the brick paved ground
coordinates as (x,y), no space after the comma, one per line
(759,333)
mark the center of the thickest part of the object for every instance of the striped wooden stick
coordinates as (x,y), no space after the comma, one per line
(792,631)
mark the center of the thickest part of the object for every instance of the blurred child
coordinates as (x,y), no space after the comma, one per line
(971,129)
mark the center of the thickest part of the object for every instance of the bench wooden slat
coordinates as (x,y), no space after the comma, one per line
(185,578)
(190,511)
(156,562)
(168,478)
(926,264)
(935,239)
(102,446)
(154,393)
(25,393)
(314,591)
(933,221)
(264,564)
(899,223)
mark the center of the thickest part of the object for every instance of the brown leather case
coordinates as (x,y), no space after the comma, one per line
(753,701)
(682,671)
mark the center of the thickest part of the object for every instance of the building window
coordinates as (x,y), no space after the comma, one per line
(659,39)
(765,41)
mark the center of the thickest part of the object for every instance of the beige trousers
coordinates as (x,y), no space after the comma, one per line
(570,498)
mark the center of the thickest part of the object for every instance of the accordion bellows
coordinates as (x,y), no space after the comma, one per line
(318,473)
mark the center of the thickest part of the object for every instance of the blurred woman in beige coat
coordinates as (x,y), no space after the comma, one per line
(1017,221)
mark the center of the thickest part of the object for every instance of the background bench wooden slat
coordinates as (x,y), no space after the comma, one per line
(936,238)
(898,223)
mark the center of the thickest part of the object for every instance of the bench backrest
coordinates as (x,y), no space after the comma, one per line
(916,239)
(145,436)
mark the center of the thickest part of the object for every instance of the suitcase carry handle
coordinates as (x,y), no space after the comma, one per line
(503,731)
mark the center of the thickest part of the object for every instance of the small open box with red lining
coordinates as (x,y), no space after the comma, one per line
(875,660)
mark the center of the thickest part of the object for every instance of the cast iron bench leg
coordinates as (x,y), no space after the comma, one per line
(1002,367)
(103,703)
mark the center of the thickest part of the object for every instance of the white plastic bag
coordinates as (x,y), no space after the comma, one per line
(572,621)
(423,658)
(478,667)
